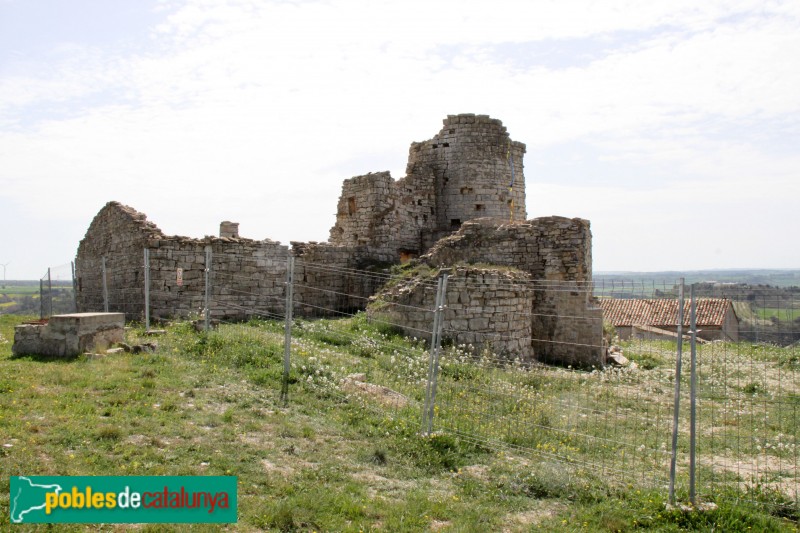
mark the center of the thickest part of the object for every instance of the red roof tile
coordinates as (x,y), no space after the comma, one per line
(663,312)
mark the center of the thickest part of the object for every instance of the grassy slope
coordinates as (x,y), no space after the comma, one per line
(209,405)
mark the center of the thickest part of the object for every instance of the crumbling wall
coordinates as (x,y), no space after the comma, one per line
(247,277)
(472,159)
(245,274)
(330,281)
(485,308)
(119,233)
(556,251)
(469,177)
(462,173)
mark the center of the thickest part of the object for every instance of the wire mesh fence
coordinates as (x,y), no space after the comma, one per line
(57,291)
(748,399)
(470,358)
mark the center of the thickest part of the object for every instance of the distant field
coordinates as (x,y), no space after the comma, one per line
(19,290)
(779,313)
(776,278)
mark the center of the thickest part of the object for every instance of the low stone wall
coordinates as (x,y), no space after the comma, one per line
(246,277)
(485,308)
(70,335)
(326,281)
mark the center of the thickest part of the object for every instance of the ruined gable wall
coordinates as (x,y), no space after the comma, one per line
(119,233)
(245,273)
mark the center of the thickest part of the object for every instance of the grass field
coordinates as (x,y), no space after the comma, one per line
(336,457)
(786,314)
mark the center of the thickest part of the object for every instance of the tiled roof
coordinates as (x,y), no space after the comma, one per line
(662,312)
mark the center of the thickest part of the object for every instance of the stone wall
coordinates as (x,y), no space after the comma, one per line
(485,308)
(460,180)
(120,234)
(462,173)
(246,275)
(334,280)
(556,253)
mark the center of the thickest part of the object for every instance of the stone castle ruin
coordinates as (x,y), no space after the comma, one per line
(460,205)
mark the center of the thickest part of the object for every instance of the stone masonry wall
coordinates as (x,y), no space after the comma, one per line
(463,173)
(471,159)
(245,274)
(458,180)
(119,233)
(327,282)
(556,252)
(247,277)
(485,308)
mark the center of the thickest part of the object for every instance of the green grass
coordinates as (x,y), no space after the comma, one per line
(340,458)
(781,313)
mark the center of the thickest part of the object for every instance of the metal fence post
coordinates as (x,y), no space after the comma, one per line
(207,297)
(287,329)
(49,293)
(147,289)
(105,286)
(41,298)
(693,396)
(433,366)
(74,286)
(677,403)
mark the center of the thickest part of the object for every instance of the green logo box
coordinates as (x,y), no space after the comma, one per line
(122,499)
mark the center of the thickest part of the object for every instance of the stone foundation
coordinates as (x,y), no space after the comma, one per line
(70,335)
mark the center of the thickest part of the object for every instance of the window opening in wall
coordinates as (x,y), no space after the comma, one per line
(419,202)
(480,207)
(455,223)
(351,205)
(446,145)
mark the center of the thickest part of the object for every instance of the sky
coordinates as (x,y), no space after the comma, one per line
(673,126)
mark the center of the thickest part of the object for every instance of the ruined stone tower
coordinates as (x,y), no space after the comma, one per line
(474,162)
(464,172)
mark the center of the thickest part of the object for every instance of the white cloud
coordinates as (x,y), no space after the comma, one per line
(256,111)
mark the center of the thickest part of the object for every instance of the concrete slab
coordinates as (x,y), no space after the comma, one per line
(70,335)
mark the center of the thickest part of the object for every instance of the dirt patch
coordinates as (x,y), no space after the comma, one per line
(781,473)
(379,485)
(384,395)
(284,471)
(480,472)
(542,510)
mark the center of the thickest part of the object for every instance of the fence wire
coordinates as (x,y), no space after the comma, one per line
(493,387)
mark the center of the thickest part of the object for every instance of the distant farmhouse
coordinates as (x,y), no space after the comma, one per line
(638,318)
